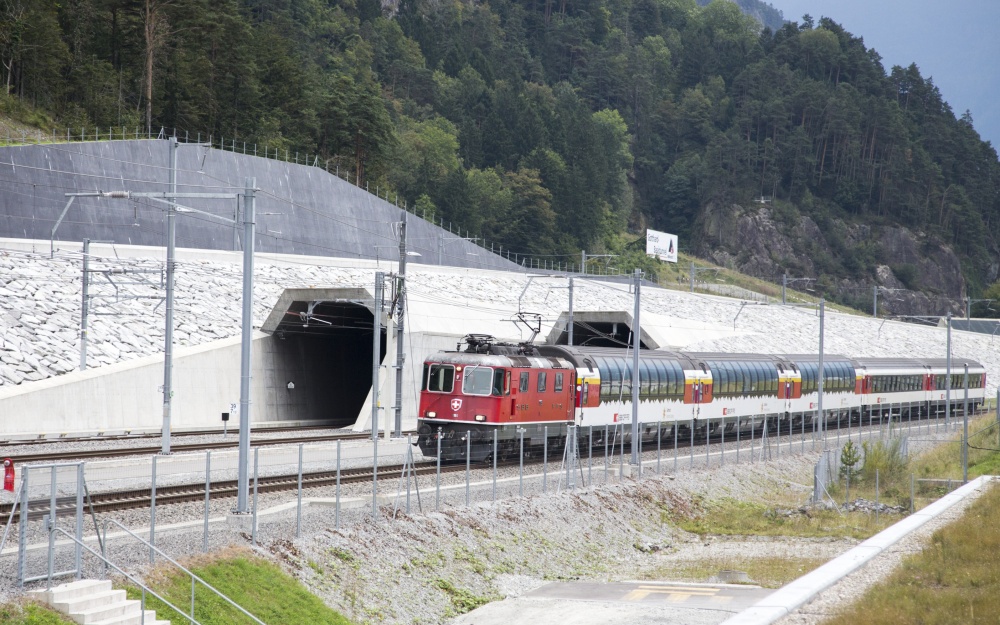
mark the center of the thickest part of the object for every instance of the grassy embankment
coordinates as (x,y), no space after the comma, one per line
(259,587)
(780,515)
(30,613)
(956,579)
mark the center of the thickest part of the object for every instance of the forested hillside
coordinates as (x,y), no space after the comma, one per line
(551,126)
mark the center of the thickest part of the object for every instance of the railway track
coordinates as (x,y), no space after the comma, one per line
(142,497)
(83,454)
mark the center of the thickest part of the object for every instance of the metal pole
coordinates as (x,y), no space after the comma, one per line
(84,308)
(22,533)
(400,302)
(692,276)
(256,466)
(520,470)
(298,507)
(152,512)
(583,261)
(947,382)
(208,486)
(784,285)
(965,429)
(875,301)
(437,492)
(636,377)
(376,361)
(569,331)
(78,547)
(545,457)
(494,465)
(243,479)
(51,527)
(468,462)
(819,381)
(336,512)
(168,339)
(376,349)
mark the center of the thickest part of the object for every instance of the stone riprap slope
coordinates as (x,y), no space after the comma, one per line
(40,310)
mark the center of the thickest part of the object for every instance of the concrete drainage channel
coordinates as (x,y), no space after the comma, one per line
(791,597)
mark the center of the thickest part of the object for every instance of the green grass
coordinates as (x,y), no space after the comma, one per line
(769,572)
(259,587)
(462,600)
(742,518)
(28,613)
(945,461)
(955,579)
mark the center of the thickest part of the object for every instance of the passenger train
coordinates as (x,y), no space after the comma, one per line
(539,390)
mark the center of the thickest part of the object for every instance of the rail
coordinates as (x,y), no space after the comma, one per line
(194,578)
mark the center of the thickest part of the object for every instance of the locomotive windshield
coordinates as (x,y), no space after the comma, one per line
(478,381)
(439,378)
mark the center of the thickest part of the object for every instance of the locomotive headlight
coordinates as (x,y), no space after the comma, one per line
(431,414)
(480,417)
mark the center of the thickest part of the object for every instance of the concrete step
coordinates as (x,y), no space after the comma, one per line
(133,619)
(89,602)
(70,591)
(103,613)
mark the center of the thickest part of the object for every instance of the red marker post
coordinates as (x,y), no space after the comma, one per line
(8,474)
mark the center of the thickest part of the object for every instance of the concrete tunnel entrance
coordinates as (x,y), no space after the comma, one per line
(320,360)
(599,329)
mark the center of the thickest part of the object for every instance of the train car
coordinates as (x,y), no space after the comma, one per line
(495,397)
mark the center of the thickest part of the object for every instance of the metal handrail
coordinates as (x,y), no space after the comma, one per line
(175,563)
(135,581)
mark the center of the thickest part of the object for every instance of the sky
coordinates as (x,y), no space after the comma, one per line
(955,42)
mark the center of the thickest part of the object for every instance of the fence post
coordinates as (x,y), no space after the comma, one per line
(78,553)
(495,433)
(22,542)
(336,510)
(468,463)
(520,470)
(545,458)
(437,488)
(298,508)
(253,529)
(208,486)
(152,512)
(52,527)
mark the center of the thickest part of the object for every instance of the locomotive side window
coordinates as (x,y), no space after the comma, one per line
(498,378)
(559,383)
(541,381)
(478,381)
(523,385)
(440,378)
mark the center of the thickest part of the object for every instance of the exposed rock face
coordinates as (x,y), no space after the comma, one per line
(916,276)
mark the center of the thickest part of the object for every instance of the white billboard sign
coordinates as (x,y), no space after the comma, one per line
(661,245)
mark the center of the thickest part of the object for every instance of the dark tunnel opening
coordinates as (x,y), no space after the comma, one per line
(320,363)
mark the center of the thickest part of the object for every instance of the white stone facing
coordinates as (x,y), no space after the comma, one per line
(40,310)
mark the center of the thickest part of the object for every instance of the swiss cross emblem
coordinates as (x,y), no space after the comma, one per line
(456,404)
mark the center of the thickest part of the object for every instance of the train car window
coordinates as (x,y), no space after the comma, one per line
(498,378)
(626,378)
(644,378)
(441,379)
(478,381)
(542,375)
(506,387)
(679,380)
(602,368)
(559,383)
(772,377)
(657,373)
(427,374)
(523,383)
